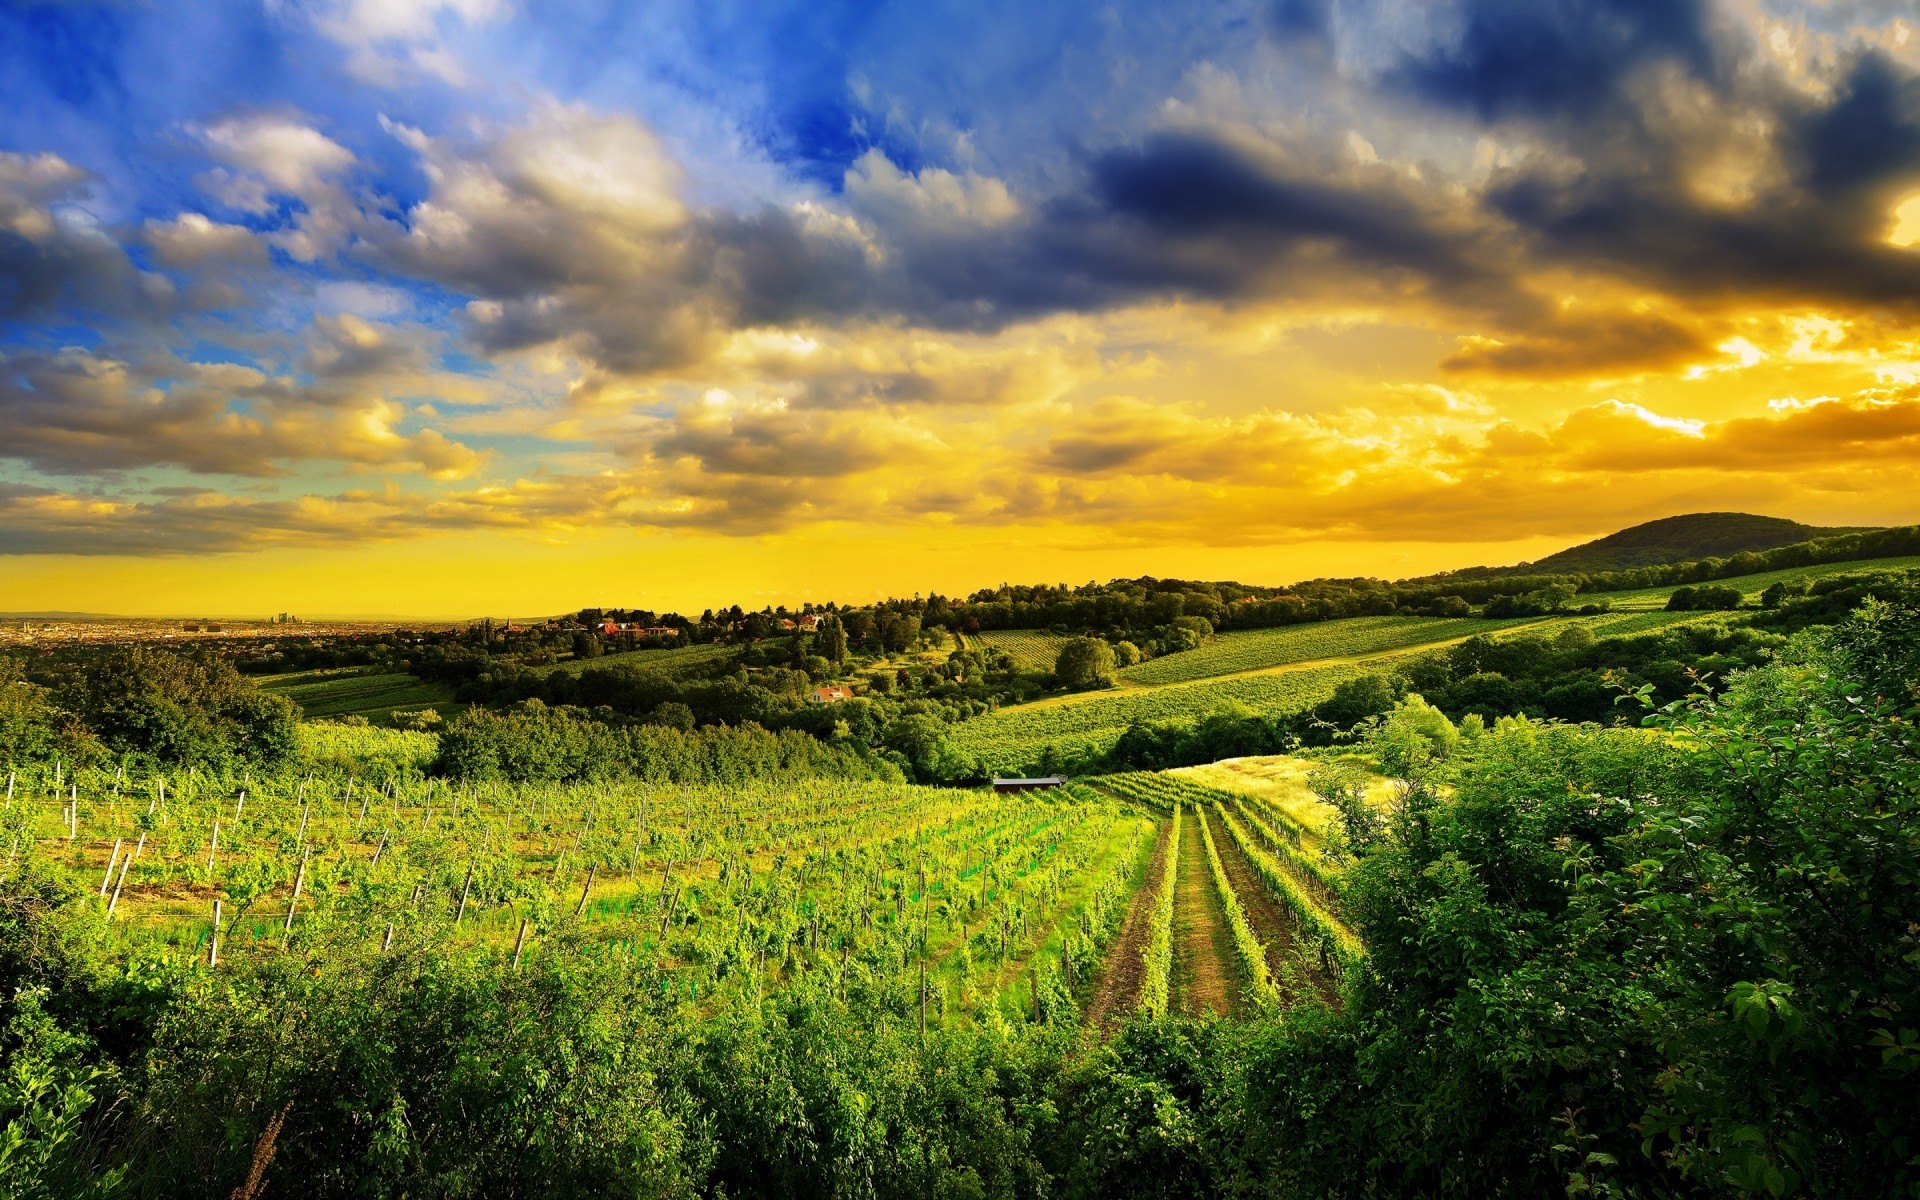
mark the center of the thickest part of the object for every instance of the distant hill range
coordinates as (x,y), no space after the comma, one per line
(1687,538)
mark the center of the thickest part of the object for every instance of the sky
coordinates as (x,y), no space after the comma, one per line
(443,307)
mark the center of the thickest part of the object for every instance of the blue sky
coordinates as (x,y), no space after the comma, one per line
(1218,284)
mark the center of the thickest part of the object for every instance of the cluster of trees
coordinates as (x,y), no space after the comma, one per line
(1708,597)
(144,705)
(530,742)
(1601,962)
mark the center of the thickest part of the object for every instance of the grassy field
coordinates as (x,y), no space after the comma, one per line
(1279,780)
(1010,738)
(1294,673)
(1261,649)
(1752,585)
(349,693)
(648,661)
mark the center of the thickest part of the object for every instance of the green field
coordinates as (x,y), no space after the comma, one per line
(1031,650)
(663,662)
(728,890)
(1009,739)
(349,693)
(1261,649)
(1751,585)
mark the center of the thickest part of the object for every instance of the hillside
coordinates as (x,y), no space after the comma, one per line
(1686,538)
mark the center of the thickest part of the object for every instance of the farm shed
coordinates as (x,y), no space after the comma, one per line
(1029,785)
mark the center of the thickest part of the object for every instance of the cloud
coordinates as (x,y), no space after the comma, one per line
(198,522)
(389,40)
(1574,347)
(1534,58)
(75,412)
(276,154)
(55,256)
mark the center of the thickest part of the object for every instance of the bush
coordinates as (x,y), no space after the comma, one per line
(1708,597)
(1085,663)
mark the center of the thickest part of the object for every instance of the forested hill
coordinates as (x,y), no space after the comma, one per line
(1690,537)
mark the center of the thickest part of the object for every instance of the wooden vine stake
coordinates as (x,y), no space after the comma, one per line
(582,906)
(465,888)
(213,944)
(299,881)
(113,860)
(386,943)
(114,902)
(213,847)
(520,943)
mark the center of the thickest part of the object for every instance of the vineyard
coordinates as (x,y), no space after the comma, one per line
(986,901)
(951,903)
(349,693)
(1261,649)
(1011,739)
(1030,650)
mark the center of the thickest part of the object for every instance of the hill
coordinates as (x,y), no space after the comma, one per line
(1686,538)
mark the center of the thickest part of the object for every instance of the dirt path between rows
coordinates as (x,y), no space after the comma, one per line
(1124,972)
(1203,953)
(1292,967)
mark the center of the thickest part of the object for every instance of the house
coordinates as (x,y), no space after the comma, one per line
(787,624)
(609,628)
(809,624)
(662,631)
(830,694)
(1029,785)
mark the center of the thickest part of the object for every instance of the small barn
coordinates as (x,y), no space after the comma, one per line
(1028,785)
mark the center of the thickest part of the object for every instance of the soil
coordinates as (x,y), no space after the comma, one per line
(1203,952)
(1125,971)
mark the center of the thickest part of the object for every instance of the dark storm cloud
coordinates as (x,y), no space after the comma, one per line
(1555,57)
(1813,229)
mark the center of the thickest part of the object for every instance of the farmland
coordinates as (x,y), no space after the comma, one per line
(1260,649)
(1290,675)
(664,662)
(1030,650)
(728,891)
(1009,739)
(348,693)
(1751,586)
(434,966)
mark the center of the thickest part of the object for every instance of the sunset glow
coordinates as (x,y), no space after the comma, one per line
(434,308)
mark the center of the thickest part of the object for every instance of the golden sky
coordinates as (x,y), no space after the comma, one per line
(445,308)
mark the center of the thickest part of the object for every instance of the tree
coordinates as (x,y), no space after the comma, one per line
(833,641)
(899,631)
(1085,663)
(178,708)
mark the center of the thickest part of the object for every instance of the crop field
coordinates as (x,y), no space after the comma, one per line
(1009,739)
(1253,921)
(1030,649)
(1752,585)
(1260,649)
(1005,901)
(667,662)
(350,694)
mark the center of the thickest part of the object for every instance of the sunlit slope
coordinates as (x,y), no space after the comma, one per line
(1260,649)
(1752,585)
(323,694)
